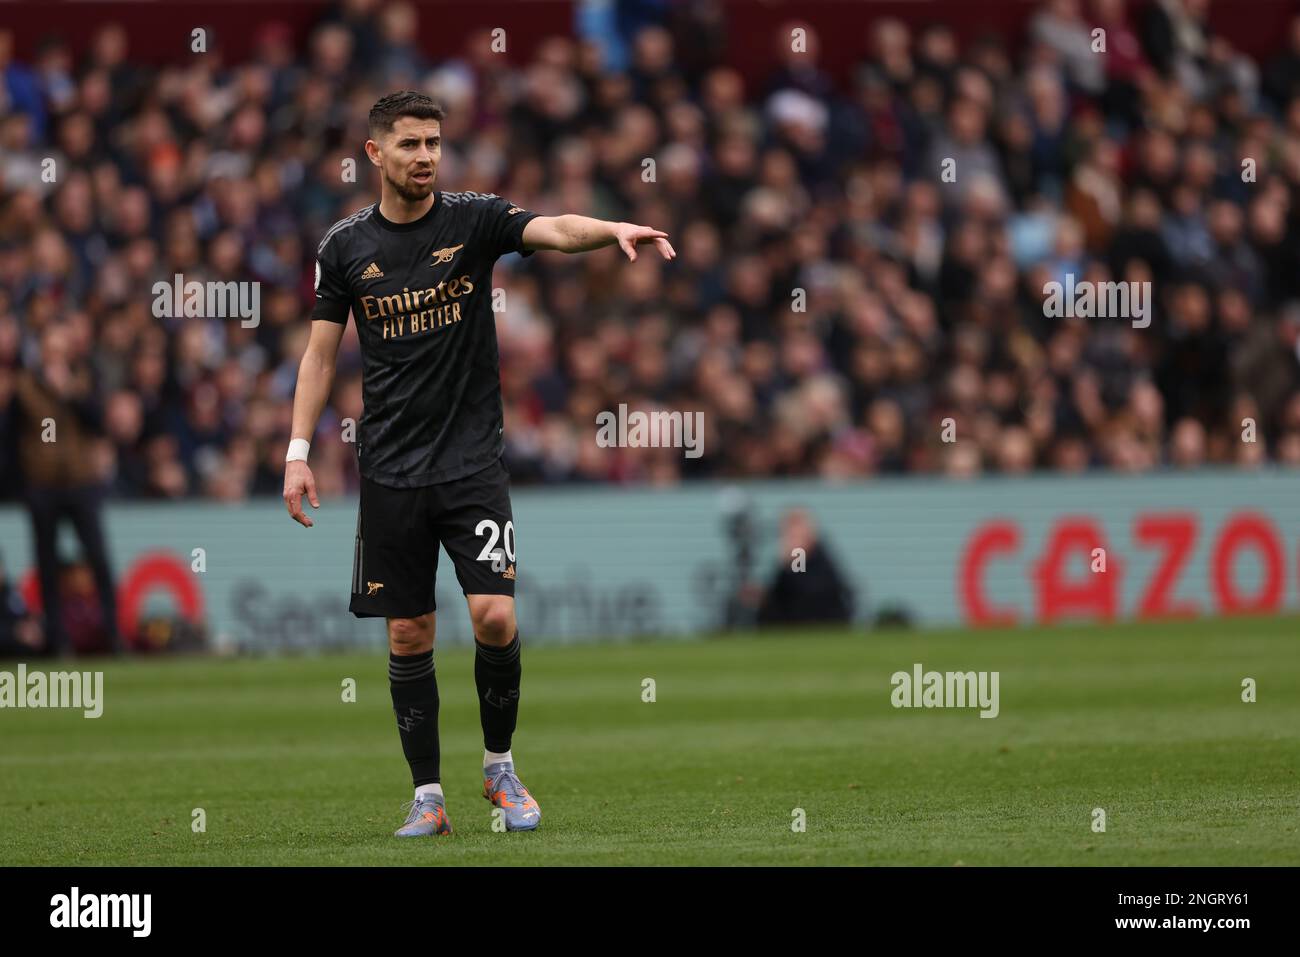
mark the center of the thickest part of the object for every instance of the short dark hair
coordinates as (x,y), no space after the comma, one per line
(389,109)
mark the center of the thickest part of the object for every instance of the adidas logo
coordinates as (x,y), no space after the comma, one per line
(509,573)
(373,272)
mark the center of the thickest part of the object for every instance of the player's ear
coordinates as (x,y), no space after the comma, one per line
(372,151)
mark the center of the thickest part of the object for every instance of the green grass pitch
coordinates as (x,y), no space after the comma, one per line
(1144,721)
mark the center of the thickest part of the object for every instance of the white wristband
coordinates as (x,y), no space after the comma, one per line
(297,450)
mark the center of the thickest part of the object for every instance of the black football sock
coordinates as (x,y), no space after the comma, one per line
(414,686)
(496,672)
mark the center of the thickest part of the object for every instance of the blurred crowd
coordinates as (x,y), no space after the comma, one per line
(835,300)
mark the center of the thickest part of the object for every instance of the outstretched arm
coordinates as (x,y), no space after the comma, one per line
(578,234)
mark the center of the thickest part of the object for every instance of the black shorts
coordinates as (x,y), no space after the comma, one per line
(395,559)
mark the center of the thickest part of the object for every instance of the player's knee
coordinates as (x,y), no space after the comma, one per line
(494,622)
(410,636)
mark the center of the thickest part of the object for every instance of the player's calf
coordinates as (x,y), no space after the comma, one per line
(413,683)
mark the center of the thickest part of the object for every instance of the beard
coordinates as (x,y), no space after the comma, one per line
(412,192)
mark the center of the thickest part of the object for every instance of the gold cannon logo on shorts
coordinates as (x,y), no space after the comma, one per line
(372,588)
(444,255)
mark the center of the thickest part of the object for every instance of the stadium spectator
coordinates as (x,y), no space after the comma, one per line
(924,295)
(808,586)
(20,632)
(58,414)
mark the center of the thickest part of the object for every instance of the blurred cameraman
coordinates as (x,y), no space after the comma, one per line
(56,417)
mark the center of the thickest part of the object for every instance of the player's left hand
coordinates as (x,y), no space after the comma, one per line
(630,234)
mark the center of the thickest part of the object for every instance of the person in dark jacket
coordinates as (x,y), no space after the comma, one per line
(57,420)
(808,586)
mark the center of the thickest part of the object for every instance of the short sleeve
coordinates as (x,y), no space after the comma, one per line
(502,224)
(333,298)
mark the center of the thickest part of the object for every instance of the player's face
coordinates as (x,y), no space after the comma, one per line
(410,155)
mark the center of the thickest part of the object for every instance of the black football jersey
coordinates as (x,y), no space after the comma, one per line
(421,296)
